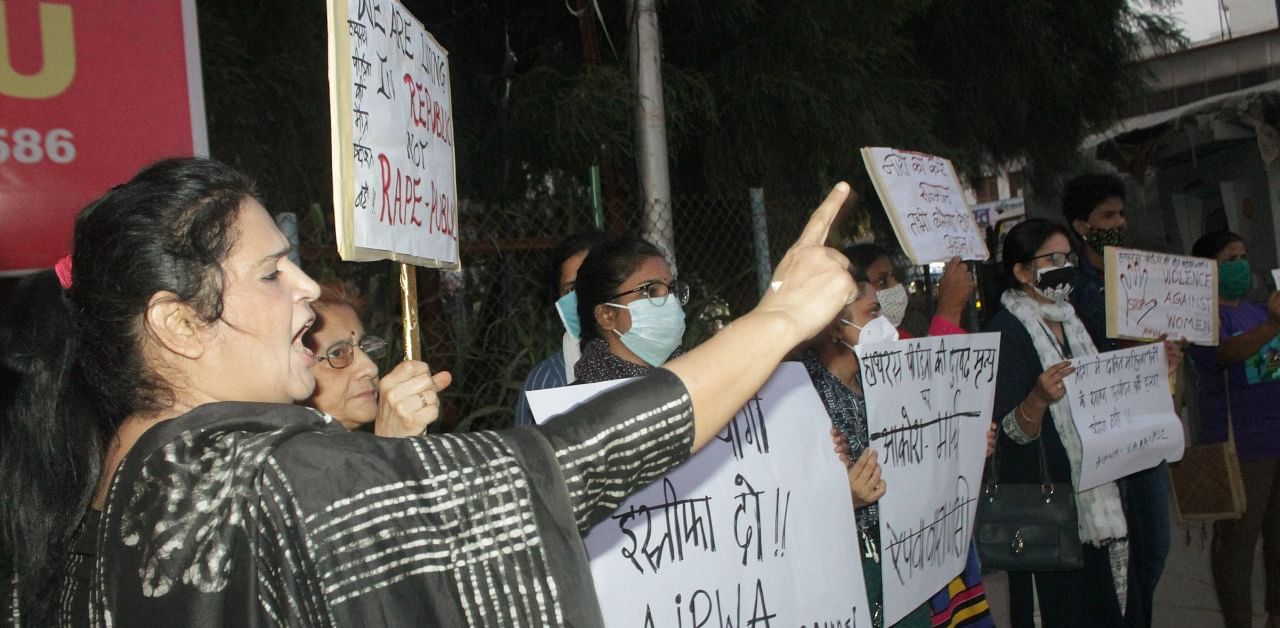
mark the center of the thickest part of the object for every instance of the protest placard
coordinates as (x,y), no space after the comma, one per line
(925,203)
(757,529)
(1151,293)
(928,412)
(392,127)
(1123,410)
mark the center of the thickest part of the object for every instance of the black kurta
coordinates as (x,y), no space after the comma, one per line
(240,514)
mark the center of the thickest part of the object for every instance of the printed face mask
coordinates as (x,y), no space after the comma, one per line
(1099,239)
(656,330)
(893,303)
(878,329)
(1233,278)
(567,307)
(1055,283)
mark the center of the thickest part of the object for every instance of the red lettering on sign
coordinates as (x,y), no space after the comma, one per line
(400,206)
(419,101)
(385,165)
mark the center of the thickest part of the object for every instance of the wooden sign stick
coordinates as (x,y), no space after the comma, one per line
(409,311)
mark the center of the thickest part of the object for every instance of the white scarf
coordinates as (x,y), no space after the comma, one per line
(1099,511)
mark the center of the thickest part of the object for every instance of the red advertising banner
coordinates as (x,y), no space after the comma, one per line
(90,91)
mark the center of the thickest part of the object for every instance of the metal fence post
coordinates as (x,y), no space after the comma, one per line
(760,239)
(597,199)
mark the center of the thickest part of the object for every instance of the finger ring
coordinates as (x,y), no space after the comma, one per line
(423,397)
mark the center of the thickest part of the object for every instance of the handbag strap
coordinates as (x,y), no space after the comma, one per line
(1045,482)
(1226,385)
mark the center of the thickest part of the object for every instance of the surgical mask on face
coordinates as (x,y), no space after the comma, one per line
(567,307)
(1233,278)
(656,330)
(1099,239)
(1055,283)
(878,329)
(893,303)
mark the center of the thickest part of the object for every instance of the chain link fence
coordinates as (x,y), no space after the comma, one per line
(492,321)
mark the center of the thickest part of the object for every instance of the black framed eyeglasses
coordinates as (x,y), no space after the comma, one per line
(1059,259)
(342,354)
(657,292)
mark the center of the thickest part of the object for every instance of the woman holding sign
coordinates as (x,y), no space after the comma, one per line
(1040,332)
(1240,378)
(963,601)
(403,403)
(954,289)
(833,368)
(152,452)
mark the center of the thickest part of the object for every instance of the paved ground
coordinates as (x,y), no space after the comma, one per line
(1184,598)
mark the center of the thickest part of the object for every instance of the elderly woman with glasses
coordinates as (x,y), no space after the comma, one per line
(630,308)
(403,403)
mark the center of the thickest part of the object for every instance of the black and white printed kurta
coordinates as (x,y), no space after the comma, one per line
(240,514)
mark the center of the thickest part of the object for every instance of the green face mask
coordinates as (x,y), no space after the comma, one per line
(1102,238)
(1233,278)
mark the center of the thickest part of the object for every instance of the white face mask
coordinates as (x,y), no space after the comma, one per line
(878,329)
(893,303)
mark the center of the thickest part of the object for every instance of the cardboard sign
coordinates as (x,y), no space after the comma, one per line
(929,406)
(926,205)
(90,93)
(394,194)
(757,529)
(1149,294)
(1123,410)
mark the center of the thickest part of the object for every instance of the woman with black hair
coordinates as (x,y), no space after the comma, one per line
(962,603)
(1040,332)
(152,449)
(630,308)
(556,370)
(1240,378)
(954,289)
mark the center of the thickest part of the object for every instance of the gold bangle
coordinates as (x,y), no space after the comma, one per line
(1024,416)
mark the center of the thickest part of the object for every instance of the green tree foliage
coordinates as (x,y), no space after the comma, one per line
(758,92)
(1029,80)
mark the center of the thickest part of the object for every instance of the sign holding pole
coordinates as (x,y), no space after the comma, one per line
(391,117)
(926,205)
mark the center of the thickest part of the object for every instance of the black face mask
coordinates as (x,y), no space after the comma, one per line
(1055,283)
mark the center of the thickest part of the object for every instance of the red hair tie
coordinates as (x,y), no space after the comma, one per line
(63,269)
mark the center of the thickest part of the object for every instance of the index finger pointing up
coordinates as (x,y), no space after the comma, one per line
(815,232)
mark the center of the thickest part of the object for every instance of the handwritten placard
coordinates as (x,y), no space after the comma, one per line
(1149,294)
(1123,411)
(757,529)
(928,411)
(926,205)
(392,127)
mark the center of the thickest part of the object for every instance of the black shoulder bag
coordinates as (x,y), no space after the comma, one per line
(1027,527)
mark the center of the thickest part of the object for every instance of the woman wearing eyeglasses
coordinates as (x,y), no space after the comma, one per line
(631,310)
(1040,333)
(403,403)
